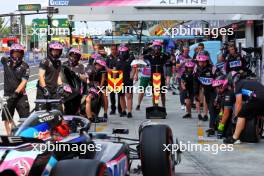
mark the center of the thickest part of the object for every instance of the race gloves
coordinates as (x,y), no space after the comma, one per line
(46,92)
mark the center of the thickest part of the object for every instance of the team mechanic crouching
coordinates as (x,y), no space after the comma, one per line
(252,93)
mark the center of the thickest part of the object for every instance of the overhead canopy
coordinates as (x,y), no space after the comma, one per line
(146,10)
(134,39)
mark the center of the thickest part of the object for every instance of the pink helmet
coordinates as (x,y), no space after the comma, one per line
(217,83)
(156,43)
(202,58)
(19,48)
(100,61)
(55,45)
(123,48)
(93,91)
(75,51)
(220,81)
(95,56)
(189,64)
(16,47)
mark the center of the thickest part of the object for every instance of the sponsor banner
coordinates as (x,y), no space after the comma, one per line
(128,2)
(157,3)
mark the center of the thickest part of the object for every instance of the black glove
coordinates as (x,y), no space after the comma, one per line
(46,92)
(60,90)
(14,96)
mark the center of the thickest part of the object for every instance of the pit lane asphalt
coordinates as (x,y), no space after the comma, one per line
(244,160)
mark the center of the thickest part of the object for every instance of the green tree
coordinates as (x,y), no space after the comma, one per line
(1,22)
(4,30)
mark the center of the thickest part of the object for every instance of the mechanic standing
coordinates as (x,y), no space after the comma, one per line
(73,63)
(124,63)
(16,75)
(144,77)
(180,65)
(187,87)
(157,62)
(50,82)
(111,62)
(234,61)
(204,75)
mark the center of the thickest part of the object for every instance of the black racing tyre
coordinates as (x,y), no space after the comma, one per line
(79,167)
(253,130)
(154,160)
(8,173)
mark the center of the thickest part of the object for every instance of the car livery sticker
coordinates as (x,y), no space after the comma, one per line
(119,166)
(20,162)
(42,135)
(49,166)
(36,131)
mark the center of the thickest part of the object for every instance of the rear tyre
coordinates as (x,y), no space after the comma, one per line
(253,130)
(154,160)
(79,168)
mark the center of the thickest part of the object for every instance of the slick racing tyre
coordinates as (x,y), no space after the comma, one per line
(79,168)
(253,130)
(155,159)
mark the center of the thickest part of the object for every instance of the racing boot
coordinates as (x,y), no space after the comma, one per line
(112,112)
(200,117)
(186,116)
(129,115)
(123,114)
(205,118)
(104,118)
(210,132)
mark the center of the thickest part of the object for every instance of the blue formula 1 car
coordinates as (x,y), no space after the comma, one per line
(48,143)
